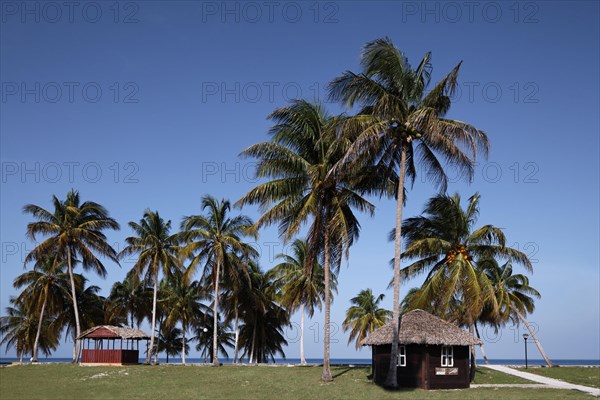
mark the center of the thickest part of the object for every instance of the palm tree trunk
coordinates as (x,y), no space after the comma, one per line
(326,376)
(216,316)
(183,344)
(391,380)
(253,342)
(473,368)
(34,352)
(481,345)
(302,359)
(75,307)
(74,349)
(237,336)
(535,339)
(153,328)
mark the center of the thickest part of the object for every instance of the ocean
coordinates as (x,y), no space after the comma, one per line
(334,361)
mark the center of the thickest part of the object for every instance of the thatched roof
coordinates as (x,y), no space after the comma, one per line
(123,333)
(420,327)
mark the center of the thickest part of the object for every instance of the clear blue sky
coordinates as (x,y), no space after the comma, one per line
(149,103)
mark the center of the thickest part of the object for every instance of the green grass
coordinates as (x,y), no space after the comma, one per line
(63,381)
(490,376)
(587,376)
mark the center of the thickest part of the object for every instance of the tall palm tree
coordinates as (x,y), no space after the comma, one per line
(211,239)
(157,251)
(300,162)
(45,286)
(514,296)
(133,297)
(183,305)
(299,287)
(19,330)
(443,241)
(74,229)
(364,316)
(397,113)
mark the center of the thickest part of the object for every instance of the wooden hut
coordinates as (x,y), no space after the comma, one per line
(432,353)
(106,344)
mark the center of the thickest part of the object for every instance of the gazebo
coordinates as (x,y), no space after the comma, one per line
(111,345)
(432,353)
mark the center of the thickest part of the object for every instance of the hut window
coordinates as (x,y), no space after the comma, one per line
(401,356)
(447,356)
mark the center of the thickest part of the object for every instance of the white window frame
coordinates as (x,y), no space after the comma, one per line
(447,356)
(401,356)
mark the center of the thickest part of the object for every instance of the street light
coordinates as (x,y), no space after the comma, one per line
(525,337)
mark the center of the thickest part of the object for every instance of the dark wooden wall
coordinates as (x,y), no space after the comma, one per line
(461,361)
(420,369)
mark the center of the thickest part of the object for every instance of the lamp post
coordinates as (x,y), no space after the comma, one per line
(525,337)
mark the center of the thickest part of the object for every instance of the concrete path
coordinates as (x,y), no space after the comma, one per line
(551,382)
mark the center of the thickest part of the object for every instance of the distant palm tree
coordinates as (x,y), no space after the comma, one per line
(364,316)
(204,334)
(444,242)
(45,287)
(157,251)
(74,229)
(514,296)
(169,340)
(19,330)
(299,287)
(301,162)
(182,303)
(133,297)
(261,334)
(211,239)
(91,309)
(236,284)
(396,113)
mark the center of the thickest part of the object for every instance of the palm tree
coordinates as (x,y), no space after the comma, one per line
(236,286)
(157,252)
(298,287)
(301,162)
(212,238)
(182,302)
(133,297)
(444,243)
(261,334)
(364,316)
(46,285)
(397,113)
(19,330)
(204,335)
(74,229)
(514,296)
(91,309)
(169,340)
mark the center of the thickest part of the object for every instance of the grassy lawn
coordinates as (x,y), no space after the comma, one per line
(490,376)
(587,376)
(61,381)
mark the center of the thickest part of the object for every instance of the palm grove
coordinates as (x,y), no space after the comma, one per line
(203,283)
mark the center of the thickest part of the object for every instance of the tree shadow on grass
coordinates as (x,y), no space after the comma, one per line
(341,372)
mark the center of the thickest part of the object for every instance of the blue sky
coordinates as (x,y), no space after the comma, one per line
(147,104)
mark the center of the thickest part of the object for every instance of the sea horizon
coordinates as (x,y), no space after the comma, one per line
(334,361)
